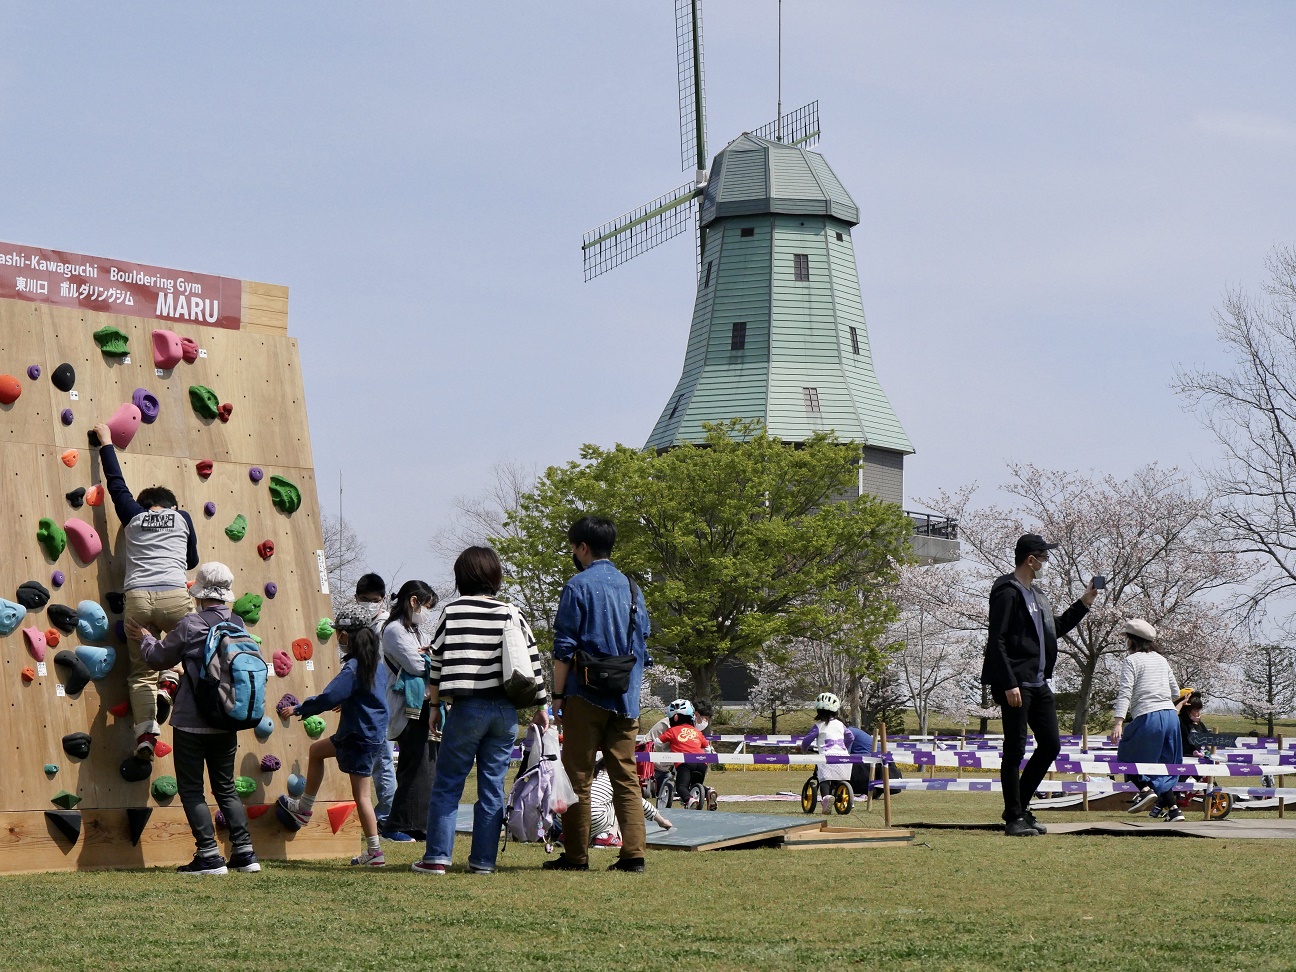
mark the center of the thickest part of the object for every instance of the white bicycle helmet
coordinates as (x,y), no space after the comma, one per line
(828,702)
(680,707)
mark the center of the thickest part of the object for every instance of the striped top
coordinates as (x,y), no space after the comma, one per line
(468,644)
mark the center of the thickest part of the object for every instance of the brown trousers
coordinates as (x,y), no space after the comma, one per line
(587,729)
(160,611)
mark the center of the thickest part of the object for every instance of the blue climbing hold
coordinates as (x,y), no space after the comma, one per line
(92,621)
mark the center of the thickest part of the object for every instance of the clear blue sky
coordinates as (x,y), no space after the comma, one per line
(1053,196)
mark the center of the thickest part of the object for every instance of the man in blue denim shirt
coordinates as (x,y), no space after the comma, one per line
(594,616)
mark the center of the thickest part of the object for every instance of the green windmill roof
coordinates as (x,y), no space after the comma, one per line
(755,175)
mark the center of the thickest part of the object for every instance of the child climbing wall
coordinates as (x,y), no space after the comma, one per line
(201,387)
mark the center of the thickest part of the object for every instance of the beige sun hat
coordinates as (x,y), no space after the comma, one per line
(1139,629)
(214,582)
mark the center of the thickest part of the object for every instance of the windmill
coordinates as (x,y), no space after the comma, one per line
(778,332)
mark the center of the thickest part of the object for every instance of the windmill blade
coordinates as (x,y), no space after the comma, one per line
(692,94)
(638,231)
(800,127)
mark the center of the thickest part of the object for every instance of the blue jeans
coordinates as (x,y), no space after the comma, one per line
(384,783)
(1154,737)
(476,729)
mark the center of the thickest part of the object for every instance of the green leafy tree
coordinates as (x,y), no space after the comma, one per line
(741,544)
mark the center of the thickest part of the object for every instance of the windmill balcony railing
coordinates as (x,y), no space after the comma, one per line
(931,525)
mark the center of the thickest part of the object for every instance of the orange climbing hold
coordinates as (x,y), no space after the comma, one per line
(69,458)
(303,650)
(120,709)
(52,637)
(95,495)
(9,389)
(29,674)
(338,815)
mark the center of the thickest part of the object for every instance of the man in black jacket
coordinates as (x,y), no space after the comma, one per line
(1019,659)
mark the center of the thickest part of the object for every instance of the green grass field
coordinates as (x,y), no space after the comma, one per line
(956,900)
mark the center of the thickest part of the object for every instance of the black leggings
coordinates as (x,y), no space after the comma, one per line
(687,776)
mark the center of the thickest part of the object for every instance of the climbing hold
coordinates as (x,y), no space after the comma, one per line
(218,818)
(209,508)
(237,530)
(112,342)
(255,637)
(148,405)
(63,377)
(9,389)
(76,676)
(76,744)
(120,710)
(98,660)
(53,537)
(314,726)
(167,350)
(245,786)
(85,541)
(271,589)
(76,499)
(324,630)
(52,638)
(66,822)
(137,819)
(69,458)
(57,578)
(66,416)
(285,496)
(11,616)
(165,787)
(296,785)
(135,770)
(65,799)
(119,629)
(255,474)
(264,728)
(116,601)
(282,663)
(95,495)
(28,674)
(204,401)
(123,424)
(224,412)
(270,763)
(62,617)
(286,704)
(257,810)
(33,372)
(265,549)
(92,621)
(338,815)
(204,467)
(33,595)
(302,649)
(161,748)
(248,607)
(35,639)
(189,350)
(51,769)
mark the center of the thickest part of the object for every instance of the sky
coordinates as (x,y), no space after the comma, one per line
(1054,199)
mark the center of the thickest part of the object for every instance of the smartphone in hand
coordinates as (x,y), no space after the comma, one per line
(1099,582)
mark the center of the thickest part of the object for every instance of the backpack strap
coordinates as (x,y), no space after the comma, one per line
(634,611)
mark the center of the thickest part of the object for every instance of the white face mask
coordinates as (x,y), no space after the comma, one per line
(1042,569)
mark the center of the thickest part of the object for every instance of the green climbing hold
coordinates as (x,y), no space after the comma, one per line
(285,495)
(51,769)
(314,726)
(165,787)
(52,537)
(256,638)
(204,401)
(324,630)
(65,799)
(112,342)
(248,607)
(245,786)
(237,530)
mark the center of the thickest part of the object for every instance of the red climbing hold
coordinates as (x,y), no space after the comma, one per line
(266,549)
(29,674)
(124,423)
(9,389)
(167,349)
(161,748)
(224,412)
(69,458)
(189,349)
(94,495)
(204,467)
(282,663)
(120,709)
(338,815)
(255,811)
(85,541)
(303,650)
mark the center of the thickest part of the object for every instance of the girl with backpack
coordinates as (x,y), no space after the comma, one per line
(362,732)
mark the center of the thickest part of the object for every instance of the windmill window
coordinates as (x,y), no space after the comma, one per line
(748,231)
(675,407)
(854,341)
(707,283)
(800,266)
(811,398)
(738,336)
(840,238)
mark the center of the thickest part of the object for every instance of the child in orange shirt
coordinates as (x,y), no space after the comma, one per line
(684,737)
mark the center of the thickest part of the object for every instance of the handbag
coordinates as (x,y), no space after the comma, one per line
(521,684)
(610,674)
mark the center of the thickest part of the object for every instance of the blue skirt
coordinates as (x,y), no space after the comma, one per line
(1153,738)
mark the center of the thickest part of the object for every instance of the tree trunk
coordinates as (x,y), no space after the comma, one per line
(1082,699)
(922,720)
(773,720)
(704,680)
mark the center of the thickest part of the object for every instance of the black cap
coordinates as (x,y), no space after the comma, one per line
(1030,543)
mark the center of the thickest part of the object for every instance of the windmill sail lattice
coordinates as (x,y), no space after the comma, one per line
(641,229)
(800,127)
(692,87)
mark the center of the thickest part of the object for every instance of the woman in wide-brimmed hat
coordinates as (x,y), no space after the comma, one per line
(1148,692)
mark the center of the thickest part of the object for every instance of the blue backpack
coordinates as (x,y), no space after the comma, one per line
(230,691)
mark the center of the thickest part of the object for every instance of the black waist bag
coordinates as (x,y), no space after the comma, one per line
(610,674)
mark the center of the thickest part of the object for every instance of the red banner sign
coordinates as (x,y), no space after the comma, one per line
(116,287)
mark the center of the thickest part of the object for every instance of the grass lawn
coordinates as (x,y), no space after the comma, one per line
(959,900)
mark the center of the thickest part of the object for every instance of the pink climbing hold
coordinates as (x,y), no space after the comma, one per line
(282,663)
(84,539)
(123,424)
(35,639)
(167,349)
(189,349)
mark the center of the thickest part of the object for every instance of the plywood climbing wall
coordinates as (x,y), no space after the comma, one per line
(249,360)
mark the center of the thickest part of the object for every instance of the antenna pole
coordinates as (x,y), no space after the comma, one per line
(699,118)
(778,115)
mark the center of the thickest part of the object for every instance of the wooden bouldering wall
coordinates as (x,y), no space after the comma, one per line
(249,360)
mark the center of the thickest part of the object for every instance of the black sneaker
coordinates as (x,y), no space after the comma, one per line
(560,863)
(1174,815)
(245,862)
(631,865)
(1039,827)
(1142,799)
(1019,827)
(204,866)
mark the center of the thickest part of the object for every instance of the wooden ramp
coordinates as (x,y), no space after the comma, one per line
(1272,829)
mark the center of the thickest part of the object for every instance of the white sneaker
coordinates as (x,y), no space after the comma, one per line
(827,804)
(370,858)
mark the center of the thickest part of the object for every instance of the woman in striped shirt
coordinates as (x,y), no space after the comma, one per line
(466,665)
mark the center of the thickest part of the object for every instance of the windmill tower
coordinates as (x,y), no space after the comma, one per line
(778,329)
